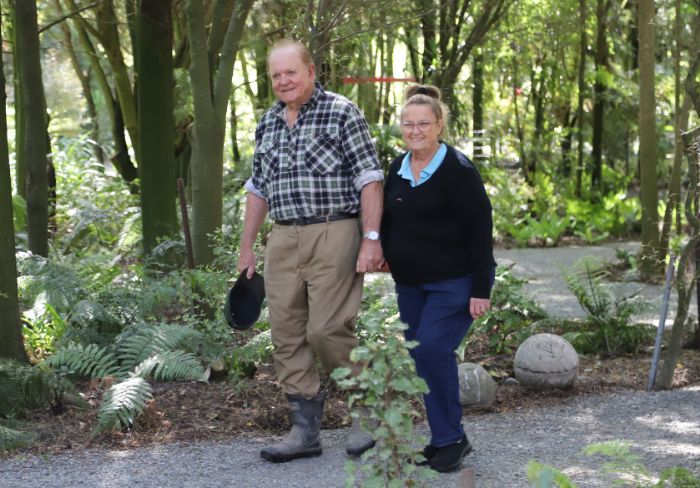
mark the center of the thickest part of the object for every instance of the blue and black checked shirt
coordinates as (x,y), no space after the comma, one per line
(317,167)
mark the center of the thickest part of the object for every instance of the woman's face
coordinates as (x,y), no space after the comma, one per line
(420,127)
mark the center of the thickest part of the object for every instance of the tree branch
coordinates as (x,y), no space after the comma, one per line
(69,15)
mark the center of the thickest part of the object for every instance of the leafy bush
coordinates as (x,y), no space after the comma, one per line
(385,387)
(14,438)
(607,328)
(507,323)
(24,388)
(622,463)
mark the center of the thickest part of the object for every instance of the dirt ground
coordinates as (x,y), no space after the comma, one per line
(188,412)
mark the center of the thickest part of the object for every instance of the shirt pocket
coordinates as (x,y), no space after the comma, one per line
(322,156)
(268,159)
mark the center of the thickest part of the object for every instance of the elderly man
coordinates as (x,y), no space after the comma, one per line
(315,171)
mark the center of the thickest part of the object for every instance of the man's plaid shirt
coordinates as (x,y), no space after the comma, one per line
(317,167)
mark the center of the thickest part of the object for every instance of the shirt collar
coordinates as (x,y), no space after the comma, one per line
(278,108)
(405,169)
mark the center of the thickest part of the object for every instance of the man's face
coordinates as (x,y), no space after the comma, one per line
(292,80)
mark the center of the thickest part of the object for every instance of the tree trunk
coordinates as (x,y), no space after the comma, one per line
(34,121)
(11,345)
(120,158)
(687,266)
(599,91)
(647,140)
(581,94)
(478,136)
(210,101)
(156,156)
(388,71)
(20,157)
(84,79)
(429,38)
(108,34)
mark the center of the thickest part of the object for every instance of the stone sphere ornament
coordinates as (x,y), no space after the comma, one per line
(476,387)
(546,361)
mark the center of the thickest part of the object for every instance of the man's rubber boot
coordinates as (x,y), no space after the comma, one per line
(304,439)
(359,440)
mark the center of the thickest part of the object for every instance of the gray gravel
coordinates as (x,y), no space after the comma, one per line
(663,428)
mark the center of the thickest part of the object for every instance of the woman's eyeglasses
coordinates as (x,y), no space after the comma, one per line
(421,126)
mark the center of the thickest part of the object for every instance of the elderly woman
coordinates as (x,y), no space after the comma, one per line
(437,240)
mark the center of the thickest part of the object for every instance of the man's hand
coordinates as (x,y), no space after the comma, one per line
(478,307)
(370,257)
(246,261)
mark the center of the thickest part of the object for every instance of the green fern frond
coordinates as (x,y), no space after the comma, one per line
(149,340)
(89,361)
(13,439)
(122,403)
(24,387)
(171,366)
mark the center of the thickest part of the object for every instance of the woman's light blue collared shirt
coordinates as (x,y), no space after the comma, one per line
(427,172)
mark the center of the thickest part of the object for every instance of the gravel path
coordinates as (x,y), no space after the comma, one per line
(663,428)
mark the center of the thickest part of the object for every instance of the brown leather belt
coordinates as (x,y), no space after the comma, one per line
(317,220)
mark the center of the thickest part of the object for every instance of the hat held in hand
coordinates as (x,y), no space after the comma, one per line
(244,301)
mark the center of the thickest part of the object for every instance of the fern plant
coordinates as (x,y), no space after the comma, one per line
(12,438)
(608,326)
(87,361)
(148,352)
(24,387)
(122,403)
(143,341)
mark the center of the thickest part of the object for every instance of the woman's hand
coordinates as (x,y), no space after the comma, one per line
(478,307)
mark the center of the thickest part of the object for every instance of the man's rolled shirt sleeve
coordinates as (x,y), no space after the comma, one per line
(251,188)
(359,150)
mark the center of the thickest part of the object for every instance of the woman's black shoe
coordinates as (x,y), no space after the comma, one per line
(428,452)
(449,458)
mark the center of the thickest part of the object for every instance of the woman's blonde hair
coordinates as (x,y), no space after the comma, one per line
(427,95)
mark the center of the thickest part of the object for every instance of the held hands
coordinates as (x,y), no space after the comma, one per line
(246,261)
(370,257)
(478,307)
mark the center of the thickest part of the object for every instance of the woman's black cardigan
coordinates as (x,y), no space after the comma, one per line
(441,229)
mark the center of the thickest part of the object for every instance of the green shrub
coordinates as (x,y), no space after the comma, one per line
(386,388)
(607,328)
(621,463)
(508,322)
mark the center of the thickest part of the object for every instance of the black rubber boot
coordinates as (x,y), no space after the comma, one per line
(304,438)
(359,440)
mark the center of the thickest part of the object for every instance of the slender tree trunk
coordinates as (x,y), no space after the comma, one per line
(647,140)
(34,120)
(120,158)
(11,345)
(233,123)
(519,130)
(154,34)
(478,135)
(429,38)
(581,94)
(599,93)
(20,157)
(210,100)
(388,71)
(567,142)
(108,34)
(84,79)
(687,266)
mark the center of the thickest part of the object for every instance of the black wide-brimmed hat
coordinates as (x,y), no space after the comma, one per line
(244,301)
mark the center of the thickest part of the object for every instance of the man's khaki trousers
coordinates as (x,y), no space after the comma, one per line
(313,295)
